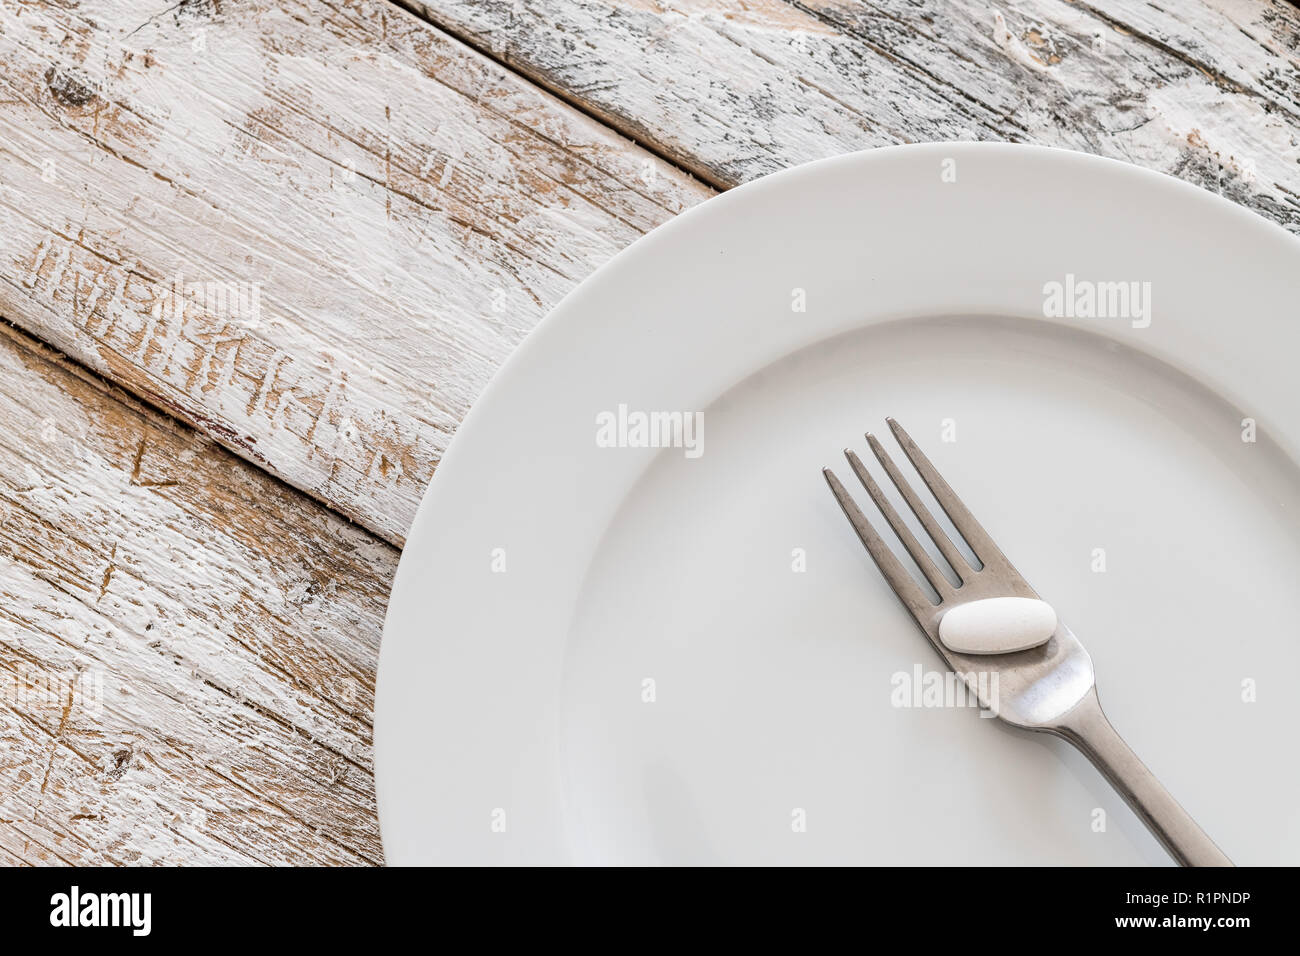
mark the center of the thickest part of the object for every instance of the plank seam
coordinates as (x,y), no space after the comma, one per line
(620,125)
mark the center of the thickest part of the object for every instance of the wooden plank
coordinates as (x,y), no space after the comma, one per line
(187,647)
(1208,90)
(393,210)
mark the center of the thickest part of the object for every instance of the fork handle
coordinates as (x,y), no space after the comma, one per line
(1087,728)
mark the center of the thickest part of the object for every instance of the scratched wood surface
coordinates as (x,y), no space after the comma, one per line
(275,248)
(408,209)
(1208,90)
(405,209)
(187,646)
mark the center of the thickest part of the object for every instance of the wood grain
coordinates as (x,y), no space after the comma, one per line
(405,209)
(1208,90)
(187,647)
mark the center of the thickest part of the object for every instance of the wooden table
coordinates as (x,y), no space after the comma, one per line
(261,255)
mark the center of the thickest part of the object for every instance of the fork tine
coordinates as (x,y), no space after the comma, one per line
(932,527)
(913,547)
(962,519)
(897,576)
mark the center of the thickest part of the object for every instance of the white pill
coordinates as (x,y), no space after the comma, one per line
(997,625)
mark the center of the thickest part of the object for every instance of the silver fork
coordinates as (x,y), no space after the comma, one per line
(1050,688)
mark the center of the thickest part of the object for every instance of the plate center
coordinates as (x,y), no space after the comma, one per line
(738,677)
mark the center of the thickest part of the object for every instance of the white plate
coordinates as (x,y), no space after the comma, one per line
(510,719)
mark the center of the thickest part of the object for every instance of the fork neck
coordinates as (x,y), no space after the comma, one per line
(1087,727)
